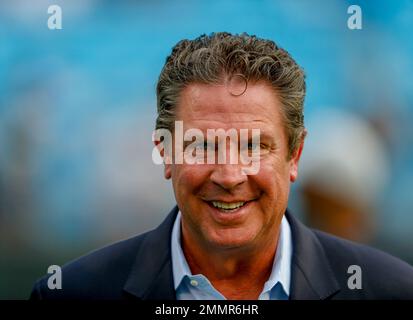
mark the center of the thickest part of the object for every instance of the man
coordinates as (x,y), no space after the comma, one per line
(231,235)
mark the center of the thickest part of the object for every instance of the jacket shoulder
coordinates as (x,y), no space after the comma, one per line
(100,274)
(383,276)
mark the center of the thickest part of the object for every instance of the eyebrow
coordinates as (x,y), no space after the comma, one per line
(263,136)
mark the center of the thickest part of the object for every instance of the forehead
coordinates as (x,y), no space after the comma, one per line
(212,105)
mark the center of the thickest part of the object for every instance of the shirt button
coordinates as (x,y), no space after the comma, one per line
(194,283)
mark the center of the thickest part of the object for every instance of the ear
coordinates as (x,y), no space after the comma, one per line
(166,162)
(296,158)
(167,171)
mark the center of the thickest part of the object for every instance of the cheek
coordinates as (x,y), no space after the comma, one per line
(188,179)
(274,180)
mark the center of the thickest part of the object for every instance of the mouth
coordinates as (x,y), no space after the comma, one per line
(228,207)
(231,212)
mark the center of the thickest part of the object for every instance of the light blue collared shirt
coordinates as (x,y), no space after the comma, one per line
(198,287)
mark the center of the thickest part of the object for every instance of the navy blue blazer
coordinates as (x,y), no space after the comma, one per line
(141,268)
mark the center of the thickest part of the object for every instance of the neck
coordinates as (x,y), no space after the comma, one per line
(238,273)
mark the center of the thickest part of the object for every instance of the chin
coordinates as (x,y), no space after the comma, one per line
(231,239)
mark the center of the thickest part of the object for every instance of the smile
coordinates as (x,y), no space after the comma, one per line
(227,206)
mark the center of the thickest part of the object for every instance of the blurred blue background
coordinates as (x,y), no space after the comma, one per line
(78,106)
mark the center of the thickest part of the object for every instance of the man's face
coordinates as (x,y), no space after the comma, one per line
(201,189)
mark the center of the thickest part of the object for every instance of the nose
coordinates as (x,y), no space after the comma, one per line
(228,176)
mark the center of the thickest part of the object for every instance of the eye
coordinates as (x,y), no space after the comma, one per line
(208,145)
(255,147)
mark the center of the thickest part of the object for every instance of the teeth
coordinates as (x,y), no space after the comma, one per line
(227,206)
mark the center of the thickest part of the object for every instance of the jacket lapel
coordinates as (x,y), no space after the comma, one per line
(312,277)
(151,276)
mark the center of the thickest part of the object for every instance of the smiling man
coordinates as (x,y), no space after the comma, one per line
(231,235)
(230,221)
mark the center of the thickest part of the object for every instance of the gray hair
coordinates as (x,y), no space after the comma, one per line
(211,58)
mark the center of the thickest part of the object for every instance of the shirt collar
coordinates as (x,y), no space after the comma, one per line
(281,268)
(180,267)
